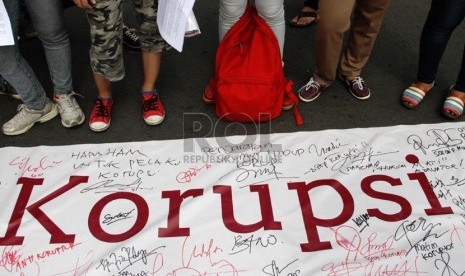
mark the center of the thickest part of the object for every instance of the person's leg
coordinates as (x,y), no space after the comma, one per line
(229,13)
(460,83)
(441,22)
(334,22)
(106,57)
(48,19)
(367,20)
(444,16)
(16,70)
(37,107)
(272,11)
(151,64)
(106,51)
(152,46)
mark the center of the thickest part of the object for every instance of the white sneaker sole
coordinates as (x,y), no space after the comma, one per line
(152,121)
(74,122)
(99,128)
(47,117)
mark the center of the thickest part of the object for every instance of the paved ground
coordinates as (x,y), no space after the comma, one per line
(184,75)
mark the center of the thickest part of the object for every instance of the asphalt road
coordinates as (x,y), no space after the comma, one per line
(391,68)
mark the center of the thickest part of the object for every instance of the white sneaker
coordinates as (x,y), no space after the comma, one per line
(26,118)
(70,112)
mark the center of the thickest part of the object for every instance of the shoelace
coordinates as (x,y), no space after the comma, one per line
(131,34)
(21,112)
(66,100)
(151,103)
(359,82)
(100,109)
(310,83)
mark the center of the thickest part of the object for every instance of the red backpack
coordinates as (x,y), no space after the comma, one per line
(249,77)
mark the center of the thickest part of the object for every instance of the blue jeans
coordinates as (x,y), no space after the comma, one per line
(443,18)
(47,17)
(48,20)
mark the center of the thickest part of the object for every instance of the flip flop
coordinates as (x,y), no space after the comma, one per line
(311,14)
(453,105)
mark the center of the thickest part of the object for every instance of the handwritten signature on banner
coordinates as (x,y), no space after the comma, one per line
(14,260)
(27,166)
(439,141)
(199,258)
(188,175)
(367,238)
(345,158)
(368,255)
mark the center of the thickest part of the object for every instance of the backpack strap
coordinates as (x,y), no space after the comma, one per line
(288,90)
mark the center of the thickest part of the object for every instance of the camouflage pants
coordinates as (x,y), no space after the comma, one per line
(105,20)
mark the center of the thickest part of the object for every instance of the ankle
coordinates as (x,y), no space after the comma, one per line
(104,98)
(308,9)
(427,84)
(153,91)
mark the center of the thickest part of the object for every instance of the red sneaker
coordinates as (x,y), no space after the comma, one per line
(288,104)
(100,117)
(152,109)
(209,94)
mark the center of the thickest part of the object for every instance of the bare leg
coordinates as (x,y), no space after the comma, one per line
(151,62)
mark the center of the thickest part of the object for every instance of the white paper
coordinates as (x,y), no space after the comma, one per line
(6,34)
(192,28)
(172,20)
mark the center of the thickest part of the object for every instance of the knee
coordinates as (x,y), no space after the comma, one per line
(8,60)
(53,37)
(272,14)
(441,26)
(333,26)
(230,13)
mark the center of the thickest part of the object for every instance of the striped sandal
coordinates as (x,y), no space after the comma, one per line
(415,93)
(453,105)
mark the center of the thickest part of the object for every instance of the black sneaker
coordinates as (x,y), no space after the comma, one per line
(357,87)
(3,87)
(131,38)
(6,89)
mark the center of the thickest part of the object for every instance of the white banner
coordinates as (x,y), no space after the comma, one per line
(378,201)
